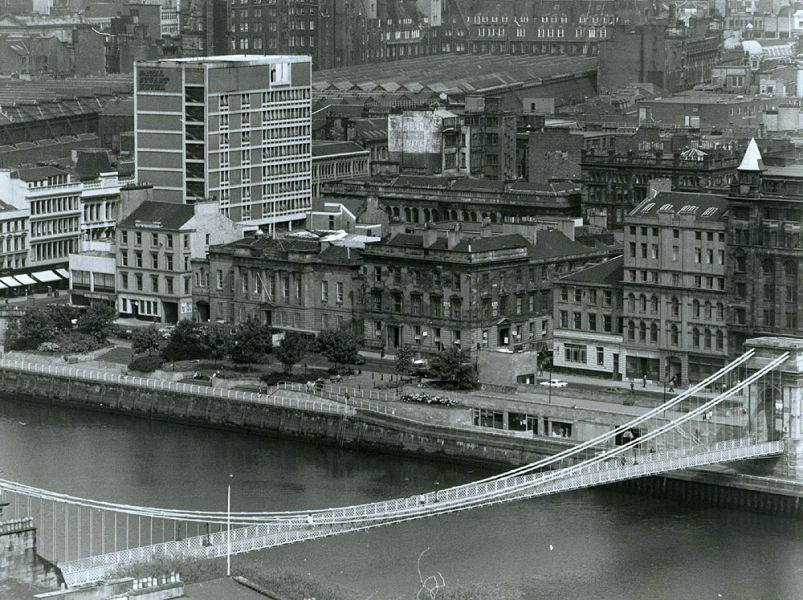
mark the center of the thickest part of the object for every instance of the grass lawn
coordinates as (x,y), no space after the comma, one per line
(118,355)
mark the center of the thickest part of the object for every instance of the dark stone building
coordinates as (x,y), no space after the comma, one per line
(291,283)
(765,258)
(435,289)
(417,200)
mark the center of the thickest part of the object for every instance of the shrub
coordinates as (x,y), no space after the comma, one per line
(73,342)
(273,377)
(48,347)
(145,364)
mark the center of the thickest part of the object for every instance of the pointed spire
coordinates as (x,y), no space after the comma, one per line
(751,161)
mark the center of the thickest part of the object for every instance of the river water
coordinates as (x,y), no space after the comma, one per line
(589,544)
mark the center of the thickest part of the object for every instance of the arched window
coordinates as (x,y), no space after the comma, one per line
(790,269)
(768,266)
(675,307)
(675,335)
(707,309)
(695,337)
(654,304)
(631,330)
(695,309)
(427,216)
(720,311)
(654,333)
(720,340)
(707,339)
(407,214)
(643,303)
(642,332)
(415,215)
(631,303)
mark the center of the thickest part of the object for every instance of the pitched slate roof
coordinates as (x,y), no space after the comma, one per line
(702,206)
(610,272)
(169,214)
(38,173)
(322,149)
(551,243)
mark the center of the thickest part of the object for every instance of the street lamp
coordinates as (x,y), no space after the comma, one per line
(550,382)
(228,527)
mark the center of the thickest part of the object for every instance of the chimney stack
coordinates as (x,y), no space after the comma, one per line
(453,236)
(430,235)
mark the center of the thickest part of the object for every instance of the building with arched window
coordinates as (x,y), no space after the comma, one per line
(765,256)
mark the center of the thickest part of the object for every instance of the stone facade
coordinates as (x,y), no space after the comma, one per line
(765,257)
(469,289)
(291,283)
(674,287)
(588,320)
(18,557)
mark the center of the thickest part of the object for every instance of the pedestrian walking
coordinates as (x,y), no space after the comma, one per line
(644,380)
(632,390)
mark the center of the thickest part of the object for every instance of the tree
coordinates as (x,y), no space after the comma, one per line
(339,346)
(97,321)
(184,342)
(453,366)
(252,342)
(215,342)
(146,339)
(292,349)
(404,360)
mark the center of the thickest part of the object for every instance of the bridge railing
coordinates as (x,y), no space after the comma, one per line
(164,385)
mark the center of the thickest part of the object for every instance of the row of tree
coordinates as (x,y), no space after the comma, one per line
(247,343)
(61,324)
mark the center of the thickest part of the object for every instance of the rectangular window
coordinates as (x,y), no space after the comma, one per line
(575,353)
(600,356)
(592,322)
(578,320)
(339,290)
(219,279)
(324,291)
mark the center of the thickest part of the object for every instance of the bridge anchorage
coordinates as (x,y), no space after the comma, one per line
(749,409)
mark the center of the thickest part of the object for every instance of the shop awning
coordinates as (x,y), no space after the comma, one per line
(63,273)
(25,279)
(9,281)
(45,276)
(2,287)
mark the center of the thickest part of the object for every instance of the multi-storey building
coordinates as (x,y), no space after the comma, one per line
(155,245)
(476,290)
(14,233)
(236,129)
(335,161)
(587,318)
(53,201)
(419,199)
(493,137)
(674,294)
(283,26)
(765,253)
(616,182)
(291,283)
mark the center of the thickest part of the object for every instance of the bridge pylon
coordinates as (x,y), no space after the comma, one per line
(775,403)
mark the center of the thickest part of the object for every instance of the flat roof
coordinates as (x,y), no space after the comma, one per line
(246,59)
(704,99)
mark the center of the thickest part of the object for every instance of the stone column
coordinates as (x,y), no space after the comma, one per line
(775,404)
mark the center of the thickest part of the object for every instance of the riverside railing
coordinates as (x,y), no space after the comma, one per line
(164,385)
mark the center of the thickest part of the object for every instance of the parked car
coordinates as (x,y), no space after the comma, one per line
(419,367)
(554,383)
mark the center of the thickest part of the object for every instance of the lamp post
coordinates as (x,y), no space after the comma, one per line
(550,382)
(228,527)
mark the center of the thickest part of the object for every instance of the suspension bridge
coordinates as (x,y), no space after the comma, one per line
(92,539)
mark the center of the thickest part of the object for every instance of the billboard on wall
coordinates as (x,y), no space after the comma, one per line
(156,79)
